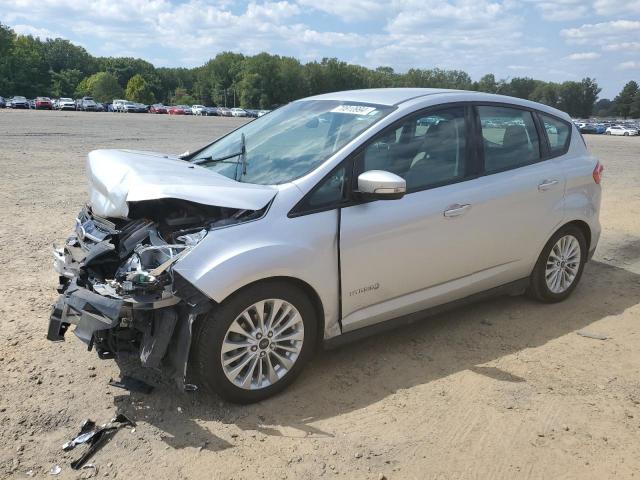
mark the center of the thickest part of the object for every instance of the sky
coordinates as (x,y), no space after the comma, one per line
(553,40)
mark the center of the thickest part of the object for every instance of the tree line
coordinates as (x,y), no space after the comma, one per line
(57,68)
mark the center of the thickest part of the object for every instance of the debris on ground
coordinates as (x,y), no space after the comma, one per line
(96,438)
(55,470)
(595,336)
(132,384)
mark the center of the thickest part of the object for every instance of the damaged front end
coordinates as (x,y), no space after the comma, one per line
(118,287)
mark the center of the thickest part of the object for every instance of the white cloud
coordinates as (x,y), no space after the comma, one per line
(584,56)
(622,46)
(561,10)
(348,10)
(617,7)
(601,32)
(630,65)
(41,33)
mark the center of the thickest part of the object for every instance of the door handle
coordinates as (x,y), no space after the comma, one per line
(456,210)
(547,184)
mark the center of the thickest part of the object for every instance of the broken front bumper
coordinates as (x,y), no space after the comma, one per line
(118,289)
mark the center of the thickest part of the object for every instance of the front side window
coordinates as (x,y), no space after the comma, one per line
(290,141)
(557,133)
(509,138)
(426,149)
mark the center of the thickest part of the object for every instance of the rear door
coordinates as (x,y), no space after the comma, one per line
(522,188)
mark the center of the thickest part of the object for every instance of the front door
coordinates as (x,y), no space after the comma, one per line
(397,256)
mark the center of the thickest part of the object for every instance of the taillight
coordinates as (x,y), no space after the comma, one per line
(597,173)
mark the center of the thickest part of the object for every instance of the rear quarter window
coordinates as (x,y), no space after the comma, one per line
(558,133)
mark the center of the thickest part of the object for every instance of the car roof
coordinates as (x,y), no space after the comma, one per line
(397,96)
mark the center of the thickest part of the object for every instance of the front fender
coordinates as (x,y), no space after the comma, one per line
(304,248)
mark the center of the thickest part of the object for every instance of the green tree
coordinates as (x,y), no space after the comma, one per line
(487,84)
(590,92)
(604,108)
(521,87)
(547,93)
(625,98)
(7,40)
(138,90)
(182,97)
(102,86)
(64,83)
(634,110)
(28,67)
(61,54)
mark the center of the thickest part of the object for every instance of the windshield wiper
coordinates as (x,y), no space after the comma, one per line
(242,153)
(211,159)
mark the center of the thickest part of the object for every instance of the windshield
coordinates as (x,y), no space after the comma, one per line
(289,142)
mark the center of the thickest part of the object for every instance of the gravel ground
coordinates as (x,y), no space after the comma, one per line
(502,389)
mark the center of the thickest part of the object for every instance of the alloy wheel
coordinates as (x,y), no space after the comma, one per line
(563,264)
(262,344)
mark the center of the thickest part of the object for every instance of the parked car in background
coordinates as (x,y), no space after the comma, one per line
(65,104)
(128,107)
(210,111)
(175,110)
(270,243)
(43,103)
(621,130)
(224,112)
(32,103)
(3,102)
(88,104)
(186,109)
(587,128)
(263,112)
(157,108)
(18,102)
(117,105)
(197,109)
(238,112)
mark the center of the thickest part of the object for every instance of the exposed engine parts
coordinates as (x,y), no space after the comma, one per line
(117,284)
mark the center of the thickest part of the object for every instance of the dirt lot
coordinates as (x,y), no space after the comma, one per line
(503,389)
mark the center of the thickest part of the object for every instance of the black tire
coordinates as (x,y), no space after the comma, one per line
(538,288)
(211,331)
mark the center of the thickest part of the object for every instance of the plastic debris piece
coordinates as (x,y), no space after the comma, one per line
(595,336)
(100,436)
(55,470)
(132,384)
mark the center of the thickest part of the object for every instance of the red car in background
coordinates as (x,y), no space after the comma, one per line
(43,103)
(157,108)
(175,110)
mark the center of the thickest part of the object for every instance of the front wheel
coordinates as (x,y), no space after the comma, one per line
(559,266)
(256,343)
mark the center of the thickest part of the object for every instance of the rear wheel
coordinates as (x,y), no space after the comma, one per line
(256,343)
(560,265)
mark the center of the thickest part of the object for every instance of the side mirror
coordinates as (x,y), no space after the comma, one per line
(185,154)
(381,185)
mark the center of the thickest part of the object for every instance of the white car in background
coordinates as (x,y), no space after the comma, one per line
(117,104)
(65,104)
(197,109)
(620,130)
(238,112)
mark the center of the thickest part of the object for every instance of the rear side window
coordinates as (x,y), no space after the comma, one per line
(557,133)
(509,138)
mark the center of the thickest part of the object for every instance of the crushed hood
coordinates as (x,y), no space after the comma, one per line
(117,177)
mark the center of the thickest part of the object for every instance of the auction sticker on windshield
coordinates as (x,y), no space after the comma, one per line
(354,109)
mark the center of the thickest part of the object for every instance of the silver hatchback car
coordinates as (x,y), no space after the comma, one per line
(331,218)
